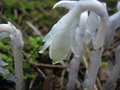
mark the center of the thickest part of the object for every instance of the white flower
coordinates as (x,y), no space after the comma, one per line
(61,37)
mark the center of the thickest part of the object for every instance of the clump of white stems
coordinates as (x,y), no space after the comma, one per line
(69,34)
(9,30)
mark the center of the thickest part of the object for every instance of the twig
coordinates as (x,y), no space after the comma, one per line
(31,84)
(16,13)
(41,72)
(115,45)
(1,11)
(36,31)
(95,87)
(99,84)
(47,65)
(85,61)
(63,72)
(62,79)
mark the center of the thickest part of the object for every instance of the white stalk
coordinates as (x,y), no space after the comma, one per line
(78,48)
(114,24)
(18,60)
(92,71)
(17,46)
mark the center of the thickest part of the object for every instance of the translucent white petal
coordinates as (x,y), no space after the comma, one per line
(55,29)
(59,38)
(60,25)
(66,4)
(46,45)
(60,46)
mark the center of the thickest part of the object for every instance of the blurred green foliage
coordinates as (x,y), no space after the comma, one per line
(103,63)
(37,11)
(40,13)
(5,53)
(35,40)
(29,76)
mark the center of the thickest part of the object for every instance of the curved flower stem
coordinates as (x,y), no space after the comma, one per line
(17,46)
(114,24)
(17,49)
(75,62)
(5,28)
(96,7)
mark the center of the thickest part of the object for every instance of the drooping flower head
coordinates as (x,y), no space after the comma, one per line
(60,38)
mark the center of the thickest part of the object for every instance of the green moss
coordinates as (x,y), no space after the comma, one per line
(29,76)
(26,66)
(35,40)
(104,63)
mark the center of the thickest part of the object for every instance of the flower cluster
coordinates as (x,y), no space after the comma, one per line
(86,22)
(62,37)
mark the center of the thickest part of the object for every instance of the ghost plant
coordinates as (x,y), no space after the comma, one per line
(9,30)
(68,23)
(69,34)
